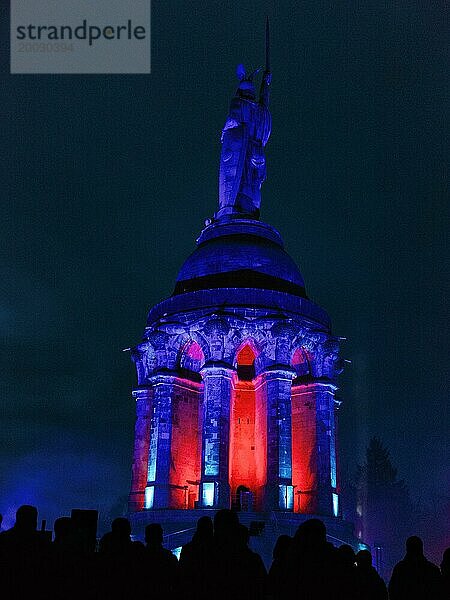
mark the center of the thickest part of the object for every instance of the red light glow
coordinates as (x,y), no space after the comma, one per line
(186,448)
(304,455)
(248,431)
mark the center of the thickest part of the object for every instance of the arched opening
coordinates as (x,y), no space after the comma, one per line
(301,362)
(243,500)
(248,434)
(186,431)
(246,364)
(191,359)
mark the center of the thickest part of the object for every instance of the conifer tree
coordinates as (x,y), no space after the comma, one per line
(385,513)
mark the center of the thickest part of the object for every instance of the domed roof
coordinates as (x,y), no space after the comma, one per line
(240,253)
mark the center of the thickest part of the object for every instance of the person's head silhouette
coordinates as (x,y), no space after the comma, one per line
(121,528)
(226,525)
(154,534)
(364,559)
(414,547)
(346,555)
(63,529)
(204,531)
(26,518)
(311,534)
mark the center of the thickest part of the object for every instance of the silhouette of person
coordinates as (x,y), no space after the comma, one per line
(67,571)
(346,556)
(118,540)
(162,569)
(445,571)
(278,567)
(195,561)
(312,567)
(24,557)
(370,585)
(257,568)
(347,571)
(120,563)
(71,570)
(237,572)
(63,529)
(415,577)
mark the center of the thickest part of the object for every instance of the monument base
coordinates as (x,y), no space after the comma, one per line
(179,527)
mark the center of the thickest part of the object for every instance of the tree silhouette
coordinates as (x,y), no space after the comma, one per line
(383,500)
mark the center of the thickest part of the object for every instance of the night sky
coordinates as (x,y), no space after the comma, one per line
(106,182)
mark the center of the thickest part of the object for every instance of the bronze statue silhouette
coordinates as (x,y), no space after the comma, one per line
(244,136)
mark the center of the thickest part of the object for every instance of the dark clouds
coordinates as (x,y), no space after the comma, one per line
(107,180)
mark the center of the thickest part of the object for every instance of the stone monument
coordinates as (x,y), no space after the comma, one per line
(237,369)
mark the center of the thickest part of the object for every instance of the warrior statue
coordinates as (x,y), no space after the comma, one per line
(246,132)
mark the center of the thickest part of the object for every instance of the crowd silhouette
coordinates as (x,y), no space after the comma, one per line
(216,563)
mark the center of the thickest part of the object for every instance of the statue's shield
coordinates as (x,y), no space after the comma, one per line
(232,159)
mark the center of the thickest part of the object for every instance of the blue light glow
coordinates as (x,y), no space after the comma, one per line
(211,459)
(285,440)
(362,546)
(333,450)
(153,448)
(208,494)
(286,497)
(335,505)
(149,496)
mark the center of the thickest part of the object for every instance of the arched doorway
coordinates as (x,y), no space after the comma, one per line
(243,499)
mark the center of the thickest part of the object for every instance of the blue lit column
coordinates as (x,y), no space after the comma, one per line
(160,439)
(215,488)
(326,448)
(143,399)
(278,385)
(334,457)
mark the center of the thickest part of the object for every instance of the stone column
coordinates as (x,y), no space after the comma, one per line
(162,385)
(278,384)
(139,471)
(334,457)
(314,456)
(217,380)
(304,448)
(326,460)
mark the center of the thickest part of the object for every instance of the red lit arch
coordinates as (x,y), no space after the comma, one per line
(245,363)
(301,362)
(191,357)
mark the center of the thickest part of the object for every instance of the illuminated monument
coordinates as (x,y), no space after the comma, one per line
(237,369)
